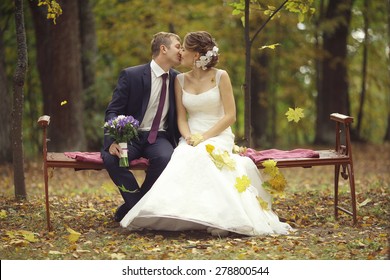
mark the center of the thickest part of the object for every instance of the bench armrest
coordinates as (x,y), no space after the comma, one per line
(343,123)
(44,120)
(341,118)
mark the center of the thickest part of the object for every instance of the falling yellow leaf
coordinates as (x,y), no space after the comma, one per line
(273,46)
(3,214)
(270,167)
(294,114)
(73,235)
(242,183)
(278,183)
(64,103)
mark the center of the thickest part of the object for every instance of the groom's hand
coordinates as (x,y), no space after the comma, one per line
(115,149)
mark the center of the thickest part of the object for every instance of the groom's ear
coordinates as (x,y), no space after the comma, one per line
(163,49)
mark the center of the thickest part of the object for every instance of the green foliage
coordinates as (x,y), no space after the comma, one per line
(54,9)
(377,103)
(124,30)
(304,8)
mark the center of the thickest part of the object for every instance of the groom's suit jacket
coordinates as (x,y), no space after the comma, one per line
(131,97)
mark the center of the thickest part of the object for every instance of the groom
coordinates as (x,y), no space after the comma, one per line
(138,94)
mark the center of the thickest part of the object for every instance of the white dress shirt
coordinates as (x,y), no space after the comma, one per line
(155,93)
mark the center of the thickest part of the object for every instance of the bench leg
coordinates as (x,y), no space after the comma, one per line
(346,173)
(46,178)
(336,190)
(353,193)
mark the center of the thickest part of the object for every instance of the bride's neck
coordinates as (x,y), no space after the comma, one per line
(199,73)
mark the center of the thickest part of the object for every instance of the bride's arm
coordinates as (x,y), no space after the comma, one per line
(181,112)
(226,91)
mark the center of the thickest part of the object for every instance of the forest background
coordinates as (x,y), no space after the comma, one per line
(74,65)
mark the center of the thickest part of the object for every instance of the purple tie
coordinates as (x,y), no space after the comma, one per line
(157,119)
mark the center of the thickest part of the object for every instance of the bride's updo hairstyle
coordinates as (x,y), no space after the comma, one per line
(203,43)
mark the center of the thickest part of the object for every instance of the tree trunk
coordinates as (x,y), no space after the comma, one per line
(387,134)
(364,70)
(88,43)
(260,102)
(333,96)
(88,64)
(17,108)
(5,106)
(318,65)
(247,84)
(59,65)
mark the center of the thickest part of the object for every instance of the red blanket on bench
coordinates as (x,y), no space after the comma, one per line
(256,156)
(96,158)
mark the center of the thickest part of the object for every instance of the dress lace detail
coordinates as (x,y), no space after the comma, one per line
(193,193)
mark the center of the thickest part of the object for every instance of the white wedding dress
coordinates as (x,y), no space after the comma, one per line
(194,194)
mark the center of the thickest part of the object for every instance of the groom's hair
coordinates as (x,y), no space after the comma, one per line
(162,38)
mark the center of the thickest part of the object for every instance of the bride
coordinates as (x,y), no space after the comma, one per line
(205,186)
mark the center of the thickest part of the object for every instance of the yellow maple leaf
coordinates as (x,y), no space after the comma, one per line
(28,235)
(278,183)
(228,161)
(210,148)
(273,46)
(3,214)
(221,159)
(73,235)
(242,183)
(294,114)
(270,167)
(263,203)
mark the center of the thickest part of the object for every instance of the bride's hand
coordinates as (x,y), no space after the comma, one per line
(194,139)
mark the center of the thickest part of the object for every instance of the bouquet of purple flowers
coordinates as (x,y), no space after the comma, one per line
(123,129)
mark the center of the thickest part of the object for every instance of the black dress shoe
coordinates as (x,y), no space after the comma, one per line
(121,212)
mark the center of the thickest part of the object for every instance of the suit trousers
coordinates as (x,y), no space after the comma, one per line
(158,154)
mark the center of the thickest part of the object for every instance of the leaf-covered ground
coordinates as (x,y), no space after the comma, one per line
(83,203)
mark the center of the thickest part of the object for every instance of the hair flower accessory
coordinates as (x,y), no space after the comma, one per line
(204,60)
